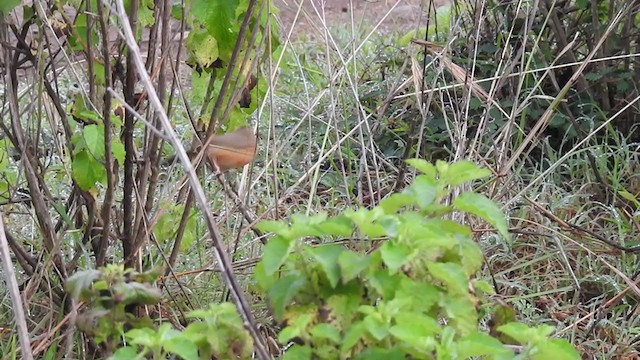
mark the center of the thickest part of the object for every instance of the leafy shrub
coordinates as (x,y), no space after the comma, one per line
(412,294)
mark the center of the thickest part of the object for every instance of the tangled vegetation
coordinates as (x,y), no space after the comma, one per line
(462,187)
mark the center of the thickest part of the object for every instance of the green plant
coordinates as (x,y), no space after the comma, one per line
(109,293)
(413,295)
(219,333)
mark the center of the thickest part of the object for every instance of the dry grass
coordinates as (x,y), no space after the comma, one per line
(346,105)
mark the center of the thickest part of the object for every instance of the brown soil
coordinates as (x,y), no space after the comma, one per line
(400,14)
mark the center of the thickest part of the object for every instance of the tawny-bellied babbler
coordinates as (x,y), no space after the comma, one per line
(232,150)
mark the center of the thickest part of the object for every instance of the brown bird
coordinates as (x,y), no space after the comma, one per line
(232,150)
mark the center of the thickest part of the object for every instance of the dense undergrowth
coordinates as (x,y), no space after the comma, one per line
(542,95)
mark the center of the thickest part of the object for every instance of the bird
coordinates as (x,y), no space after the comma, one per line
(232,150)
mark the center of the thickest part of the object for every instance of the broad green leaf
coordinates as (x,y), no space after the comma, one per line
(395,255)
(218,17)
(283,291)
(416,330)
(124,353)
(297,326)
(326,331)
(87,171)
(558,349)
(461,312)
(391,225)
(365,221)
(484,208)
(424,191)
(87,116)
(275,226)
(202,48)
(424,167)
(182,346)
(94,140)
(275,253)
(524,334)
(395,202)
(464,171)
(353,335)
(297,352)
(80,282)
(117,148)
(327,257)
(470,255)
(136,293)
(142,336)
(352,264)
(339,226)
(381,354)
(385,283)
(479,344)
(452,275)
(7,5)
(376,326)
(422,296)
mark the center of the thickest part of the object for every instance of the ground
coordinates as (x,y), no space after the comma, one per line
(402,14)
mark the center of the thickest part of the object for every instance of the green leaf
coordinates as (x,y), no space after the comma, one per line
(275,253)
(297,327)
(124,353)
(470,255)
(182,346)
(424,167)
(283,291)
(297,352)
(94,140)
(395,202)
(461,312)
(376,326)
(424,190)
(87,171)
(524,334)
(7,5)
(484,208)
(422,296)
(452,275)
(385,283)
(338,226)
(80,282)
(117,148)
(416,330)
(137,293)
(274,226)
(326,331)
(142,336)
(381,354)
(218,17)
(352,264)
(353,335)
(395,255)
(464,171)
(202,48)
(558,349)
(480,344)
(364,220)
(327,257)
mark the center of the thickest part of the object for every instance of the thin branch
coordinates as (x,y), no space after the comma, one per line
(14,293)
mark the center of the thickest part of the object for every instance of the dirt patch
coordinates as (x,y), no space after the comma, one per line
(398,15)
